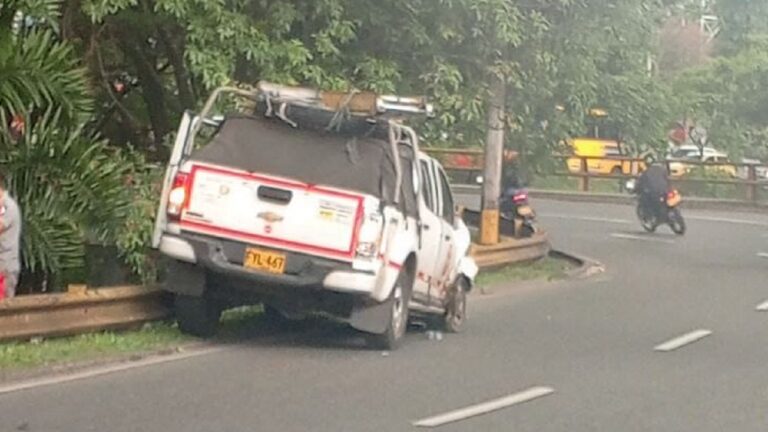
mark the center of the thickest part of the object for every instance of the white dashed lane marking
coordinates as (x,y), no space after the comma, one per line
(485,407)
(624,236)
(683,340)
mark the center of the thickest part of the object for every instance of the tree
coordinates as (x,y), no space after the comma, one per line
(37,69)
(68,185)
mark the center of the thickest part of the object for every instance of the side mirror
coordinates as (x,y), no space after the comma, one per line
(630,185)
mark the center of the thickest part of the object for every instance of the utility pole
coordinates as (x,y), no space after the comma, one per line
(494,148)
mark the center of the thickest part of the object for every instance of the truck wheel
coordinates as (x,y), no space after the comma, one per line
(456,311)
(197,316)
(398,317)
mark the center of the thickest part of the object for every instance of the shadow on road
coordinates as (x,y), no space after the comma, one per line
(310,333)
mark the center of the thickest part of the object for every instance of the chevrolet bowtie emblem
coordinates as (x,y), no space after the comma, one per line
(270,217)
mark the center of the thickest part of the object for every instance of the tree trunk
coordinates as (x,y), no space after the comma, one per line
(152,90)
(494,148)
(175,55)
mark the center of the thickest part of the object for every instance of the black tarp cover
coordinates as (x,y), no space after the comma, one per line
(270,146)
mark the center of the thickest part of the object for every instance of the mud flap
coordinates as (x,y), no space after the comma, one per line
(183,278)
(371,317)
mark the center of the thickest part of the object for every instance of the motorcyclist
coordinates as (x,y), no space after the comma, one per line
(652,186)
(510,184)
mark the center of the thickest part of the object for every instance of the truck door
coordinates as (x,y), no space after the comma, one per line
(177,153)
(431,232)
(447,251)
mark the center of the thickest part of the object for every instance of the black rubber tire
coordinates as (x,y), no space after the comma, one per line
(197,316)
(455,316)
(649,226)
(396,327)
(676,222)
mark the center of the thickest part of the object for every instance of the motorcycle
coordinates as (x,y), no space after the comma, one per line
(514,206)
(669,213)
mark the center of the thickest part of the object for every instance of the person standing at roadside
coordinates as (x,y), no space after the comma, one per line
(10,239)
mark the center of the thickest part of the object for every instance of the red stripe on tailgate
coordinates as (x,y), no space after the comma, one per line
(270,241)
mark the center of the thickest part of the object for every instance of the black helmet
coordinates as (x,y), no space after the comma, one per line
(649,159)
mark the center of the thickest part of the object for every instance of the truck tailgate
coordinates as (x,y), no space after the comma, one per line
(263,210)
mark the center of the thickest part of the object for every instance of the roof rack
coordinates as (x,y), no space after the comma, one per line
(355,103)
(359,103)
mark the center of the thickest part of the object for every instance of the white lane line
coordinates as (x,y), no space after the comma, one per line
(762,255)
(762,307)
(585,218)
(728,220)
(485,407)
(642,238)
(683,340)
(104,370)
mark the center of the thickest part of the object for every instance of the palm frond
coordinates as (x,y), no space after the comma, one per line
(66,184)
(42,72)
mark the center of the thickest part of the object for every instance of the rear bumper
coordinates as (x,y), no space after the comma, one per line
(224,258)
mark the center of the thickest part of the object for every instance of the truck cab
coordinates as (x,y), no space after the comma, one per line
(311,203)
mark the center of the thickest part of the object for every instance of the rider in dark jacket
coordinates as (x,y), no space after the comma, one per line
(652,186)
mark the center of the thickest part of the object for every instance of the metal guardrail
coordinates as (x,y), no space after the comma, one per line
(511,251)
(464,165)
(627,167)
(79,311)
(82,310)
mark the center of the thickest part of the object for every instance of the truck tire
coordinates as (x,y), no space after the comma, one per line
(456,310)
(398,316)
(197,316)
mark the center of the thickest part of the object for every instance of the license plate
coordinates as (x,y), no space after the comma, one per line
(524,211)
(258,259)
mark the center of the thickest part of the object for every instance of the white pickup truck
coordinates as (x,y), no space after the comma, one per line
(313,203)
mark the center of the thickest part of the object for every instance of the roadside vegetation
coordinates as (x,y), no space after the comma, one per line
(546,269)
(165,336)
(92,90)
(150,338)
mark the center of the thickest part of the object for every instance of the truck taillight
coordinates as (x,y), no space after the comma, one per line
(179,195)
(369,238)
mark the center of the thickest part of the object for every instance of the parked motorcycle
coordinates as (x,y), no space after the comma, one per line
(668,215)
(514,206)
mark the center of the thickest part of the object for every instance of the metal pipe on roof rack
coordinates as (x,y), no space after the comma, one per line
(286,93)
(393,142)
(212,101)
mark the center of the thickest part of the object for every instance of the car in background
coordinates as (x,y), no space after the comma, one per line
(605,157)
(761,170)
(679,161)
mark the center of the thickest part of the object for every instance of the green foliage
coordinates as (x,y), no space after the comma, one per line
(727,96)
(40,72)
(709,190)
(134,235)
(69,189)
(88,347)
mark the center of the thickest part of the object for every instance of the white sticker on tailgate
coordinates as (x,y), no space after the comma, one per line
(336,212)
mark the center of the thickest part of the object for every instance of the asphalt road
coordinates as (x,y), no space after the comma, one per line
(592,342)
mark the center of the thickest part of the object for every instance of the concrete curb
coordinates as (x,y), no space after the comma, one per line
(585,267)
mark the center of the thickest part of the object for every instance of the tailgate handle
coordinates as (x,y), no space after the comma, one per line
(274,194)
